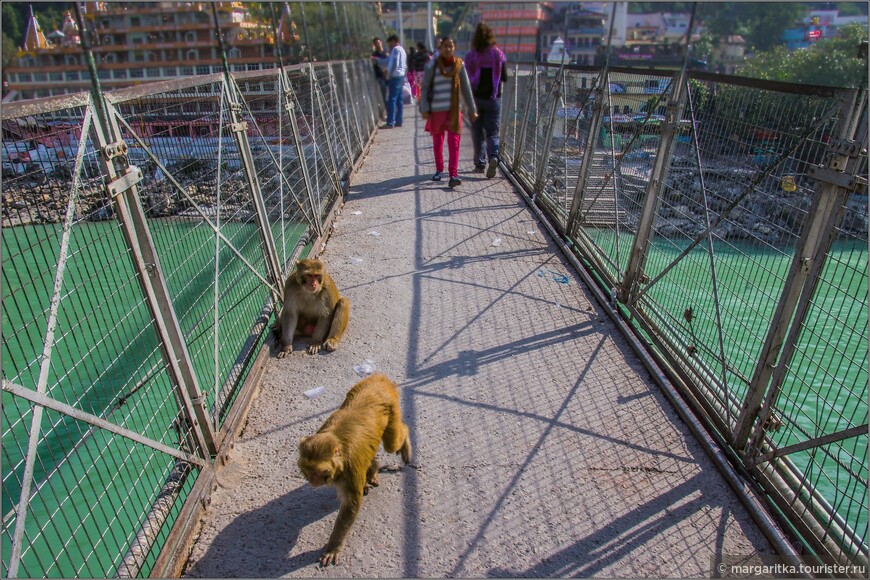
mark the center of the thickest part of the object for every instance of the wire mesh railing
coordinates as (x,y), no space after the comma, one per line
(145,236)
(727,219)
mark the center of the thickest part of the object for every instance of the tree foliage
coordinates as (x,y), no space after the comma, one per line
(11,36)
(16,14)
(829,62)
(760,23)
(11,25)
(654,7)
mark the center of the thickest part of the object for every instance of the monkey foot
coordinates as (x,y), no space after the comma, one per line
(370,484)
(406,452)
(329,557)
(285,351)
(313,349)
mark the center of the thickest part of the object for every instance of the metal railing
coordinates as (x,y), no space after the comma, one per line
(727,219)
(146,234)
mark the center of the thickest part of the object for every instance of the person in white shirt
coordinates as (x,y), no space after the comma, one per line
(397,67)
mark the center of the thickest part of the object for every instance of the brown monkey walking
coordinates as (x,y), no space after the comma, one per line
(342,452)
(312,306)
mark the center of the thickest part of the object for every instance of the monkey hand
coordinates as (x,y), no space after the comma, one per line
(314,348)
(285,350)
(330,556)
(330,345)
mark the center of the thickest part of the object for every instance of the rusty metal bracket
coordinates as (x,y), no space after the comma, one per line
(772,423)
(837,178)
(131,177)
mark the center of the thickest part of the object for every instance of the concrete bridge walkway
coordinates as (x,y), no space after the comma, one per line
(542,446)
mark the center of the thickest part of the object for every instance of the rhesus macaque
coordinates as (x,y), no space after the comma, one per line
(342,452)
(312,307)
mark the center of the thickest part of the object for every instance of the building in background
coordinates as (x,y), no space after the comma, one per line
(647,40)
(517,27)
(138,42)
(616,11)
(817,25)
(583,30)
(729,54)
(643,29)
(418,22)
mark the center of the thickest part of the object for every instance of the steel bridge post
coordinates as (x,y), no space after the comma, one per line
(121,179)
(239,129)
(638,254)
(834,182)
(318,101)
(290,107)
(556,95)
(514,98)
(350,102)
(521,150)
(344,123)
(586,162)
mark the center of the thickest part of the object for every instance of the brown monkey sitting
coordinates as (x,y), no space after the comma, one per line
(342,452)
(312,306)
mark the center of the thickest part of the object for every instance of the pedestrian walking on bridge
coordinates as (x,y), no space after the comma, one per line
(444,83)
(418,66)
(486,71)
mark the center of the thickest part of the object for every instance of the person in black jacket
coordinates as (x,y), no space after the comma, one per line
(417,65)
(380,73)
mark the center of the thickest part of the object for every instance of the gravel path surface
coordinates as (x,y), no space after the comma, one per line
(542,446)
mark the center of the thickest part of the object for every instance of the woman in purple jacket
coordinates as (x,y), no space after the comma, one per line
(485,63)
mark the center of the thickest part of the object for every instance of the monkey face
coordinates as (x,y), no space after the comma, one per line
(310,275)
(319,459)
(318,476)
(312,282)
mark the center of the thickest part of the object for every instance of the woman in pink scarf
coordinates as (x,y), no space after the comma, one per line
(444,82)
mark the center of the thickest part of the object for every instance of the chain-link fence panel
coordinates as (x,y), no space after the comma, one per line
(726,224)
(142,237)
(92,432)
(701,209)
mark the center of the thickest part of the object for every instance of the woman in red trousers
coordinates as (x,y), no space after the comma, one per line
(445,82)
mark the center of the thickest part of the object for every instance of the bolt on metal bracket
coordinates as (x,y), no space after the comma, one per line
(113,150)
(846,147)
